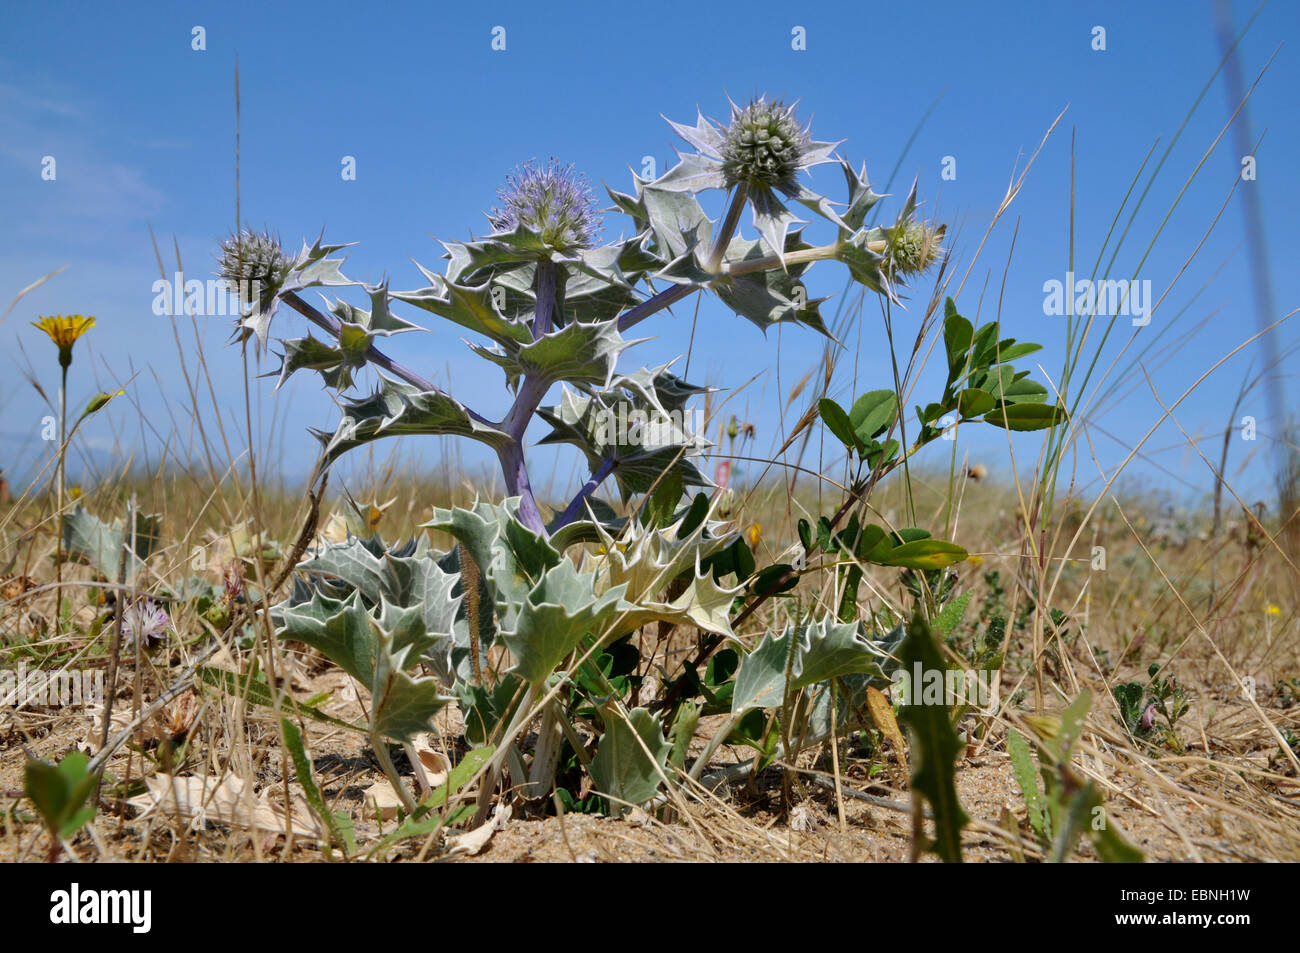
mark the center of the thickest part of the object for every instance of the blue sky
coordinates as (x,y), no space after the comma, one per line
(142,130)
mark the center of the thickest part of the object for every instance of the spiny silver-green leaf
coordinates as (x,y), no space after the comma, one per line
(396,409)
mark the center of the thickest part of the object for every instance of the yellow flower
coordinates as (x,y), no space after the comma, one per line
(64,329)
(1273,610)
(74,493)
(975,559)
(755,533)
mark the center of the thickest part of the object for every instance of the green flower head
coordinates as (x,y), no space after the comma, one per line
(912,248)
(765,146)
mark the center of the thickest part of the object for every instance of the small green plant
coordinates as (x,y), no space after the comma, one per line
(1063,806)
(1140,704)
(1289,690)
(60,793)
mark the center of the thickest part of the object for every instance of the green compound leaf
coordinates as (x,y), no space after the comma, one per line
(644,560)
(935,746)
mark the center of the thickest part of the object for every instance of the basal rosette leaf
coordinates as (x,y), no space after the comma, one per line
(339,629)
(89,539)
(375,647)
(394,584)
(621,768)
(645,560)
(814,652)
(402,706)
(555,615)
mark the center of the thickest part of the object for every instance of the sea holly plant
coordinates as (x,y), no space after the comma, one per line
(529,617)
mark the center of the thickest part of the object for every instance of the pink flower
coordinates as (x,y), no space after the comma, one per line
(722,474)
(1149,718)
(147,621)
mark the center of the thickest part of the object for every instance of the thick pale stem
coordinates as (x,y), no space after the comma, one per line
(390,771)
(493,771)
(801,257)
(702,762)
(729,224)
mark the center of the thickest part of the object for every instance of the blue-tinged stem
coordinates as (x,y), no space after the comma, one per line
(531,391)
(375,356)
(597,478)
(670,296)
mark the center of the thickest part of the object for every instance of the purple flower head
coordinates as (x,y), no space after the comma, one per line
(146,621)
(554,201)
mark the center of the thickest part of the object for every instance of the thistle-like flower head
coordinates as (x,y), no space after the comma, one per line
(765,147)
(146,622)
(255,266)
(554,202)
(760,152)
(64,330)
(912,248)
